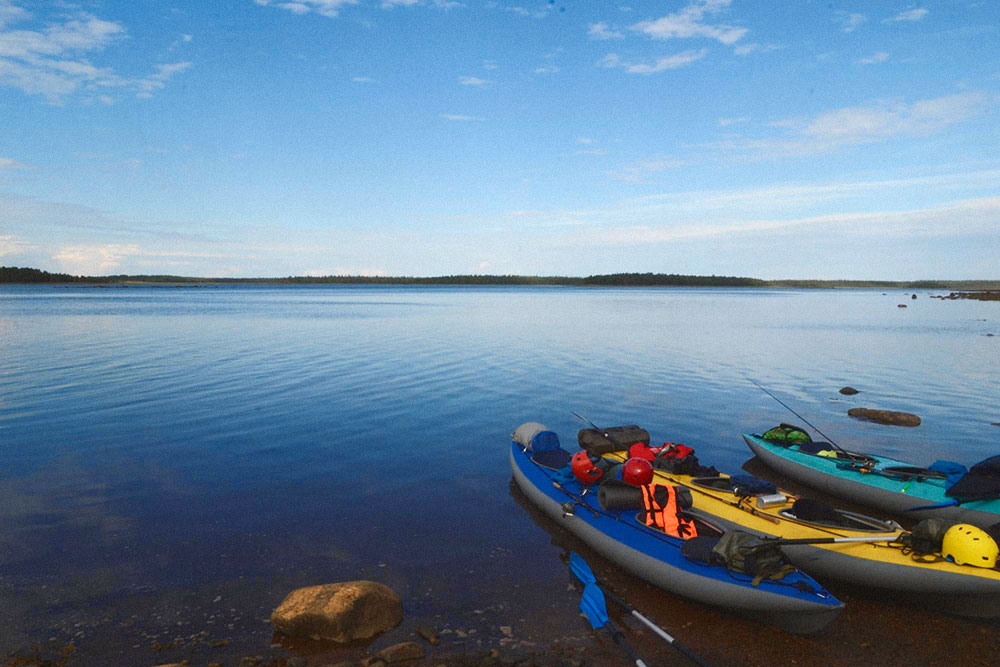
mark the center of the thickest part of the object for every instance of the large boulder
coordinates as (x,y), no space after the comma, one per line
(339,612)
(889,417)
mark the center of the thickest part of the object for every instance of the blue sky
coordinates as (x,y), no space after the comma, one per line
(429,137)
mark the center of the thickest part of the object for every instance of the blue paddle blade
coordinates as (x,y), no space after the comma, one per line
(593,607)
(579,567)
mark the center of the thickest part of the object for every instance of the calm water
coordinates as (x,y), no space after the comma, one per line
(176,460)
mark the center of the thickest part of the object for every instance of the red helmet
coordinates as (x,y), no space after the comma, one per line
(638,472)
(584,469)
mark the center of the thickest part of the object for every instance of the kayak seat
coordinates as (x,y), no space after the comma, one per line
(553,459)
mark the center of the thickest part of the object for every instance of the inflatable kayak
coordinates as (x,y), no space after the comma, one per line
(878,481)
(891,563)
(796,603)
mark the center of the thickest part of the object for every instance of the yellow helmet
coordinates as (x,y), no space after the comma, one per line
(968,545)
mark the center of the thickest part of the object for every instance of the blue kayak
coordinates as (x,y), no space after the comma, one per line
(796,603)
(878,481)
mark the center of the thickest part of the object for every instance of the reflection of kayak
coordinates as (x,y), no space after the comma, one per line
(963,590)
(878,481)
(795,603)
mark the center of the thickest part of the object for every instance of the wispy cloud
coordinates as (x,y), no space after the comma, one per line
(473,81)
(362,79)
(330,8)
(50,61)
(11,245)
(831,130)
(874,59)
(675,61)
(688,23)
(747,49)
(8,163)
(849,21)
(461,117)
(910,15)
(601,31)
(548,69)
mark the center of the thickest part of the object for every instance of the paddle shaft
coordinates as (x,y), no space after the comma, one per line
(655,628)
(619,638)
(829,540)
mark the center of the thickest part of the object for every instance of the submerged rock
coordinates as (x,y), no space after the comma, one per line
(339,612)
(849,391)
(890,417)
(402,652)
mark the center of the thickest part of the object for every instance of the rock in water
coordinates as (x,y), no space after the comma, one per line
(339,612)
(885,417)
(848,391)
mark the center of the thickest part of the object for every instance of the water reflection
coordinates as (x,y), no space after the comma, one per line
(186,444)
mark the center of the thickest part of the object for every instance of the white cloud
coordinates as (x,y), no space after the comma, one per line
(8,163)
(726,122)
(584,140)
(602,31)
(610,60)
(473,81)
(50,61)
(549,69)
(911,15)
(675,61)
(747,49)
(849,126)
(849,22)
(93,259)
(874,59)
(362,79)
(10,13)
(687,23)
(461,117)
(10,245)
(389,4)
(860,124)
(330,8)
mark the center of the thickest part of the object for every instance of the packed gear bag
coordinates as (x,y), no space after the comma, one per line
(748,485)
(982,482)
(786,434)
(926,537)
(748,554)
(614,439)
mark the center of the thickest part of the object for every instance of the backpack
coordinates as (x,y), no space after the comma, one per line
(786,434)
(748,554)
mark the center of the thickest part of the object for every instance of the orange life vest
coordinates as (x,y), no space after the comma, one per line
(665,516)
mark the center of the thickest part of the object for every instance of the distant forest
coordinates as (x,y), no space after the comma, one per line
(10,274)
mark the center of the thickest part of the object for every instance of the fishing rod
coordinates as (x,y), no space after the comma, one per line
(849,455)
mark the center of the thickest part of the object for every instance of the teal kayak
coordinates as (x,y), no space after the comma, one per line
(878,481)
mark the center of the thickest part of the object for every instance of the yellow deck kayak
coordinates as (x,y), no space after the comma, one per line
(963,590)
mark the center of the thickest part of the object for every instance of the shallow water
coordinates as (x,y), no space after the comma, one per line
(189,455)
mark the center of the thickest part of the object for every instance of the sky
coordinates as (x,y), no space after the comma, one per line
(268,138)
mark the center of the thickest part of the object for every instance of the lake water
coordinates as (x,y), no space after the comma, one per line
(175,460)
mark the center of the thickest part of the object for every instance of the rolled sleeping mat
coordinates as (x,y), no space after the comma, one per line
(615,496)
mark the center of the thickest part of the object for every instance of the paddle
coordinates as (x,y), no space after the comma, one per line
(579,567)
(774,542)
(594,608)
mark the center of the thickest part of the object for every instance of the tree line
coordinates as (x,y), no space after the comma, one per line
(10,274)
